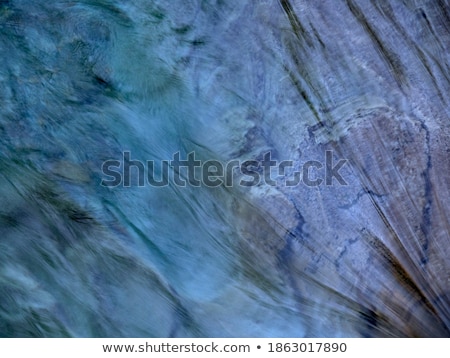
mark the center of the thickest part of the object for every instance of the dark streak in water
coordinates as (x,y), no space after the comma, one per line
(426,215)
(401,274)
(391,59)
(300,32)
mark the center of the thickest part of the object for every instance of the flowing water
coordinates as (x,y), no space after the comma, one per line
(365,253)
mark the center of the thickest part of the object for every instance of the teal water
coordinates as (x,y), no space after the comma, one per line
(85,81)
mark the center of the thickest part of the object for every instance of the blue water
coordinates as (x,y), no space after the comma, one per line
(82,82)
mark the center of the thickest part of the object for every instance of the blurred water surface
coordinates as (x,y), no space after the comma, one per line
(84,81)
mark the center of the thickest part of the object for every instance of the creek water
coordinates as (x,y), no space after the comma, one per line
(361,251)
